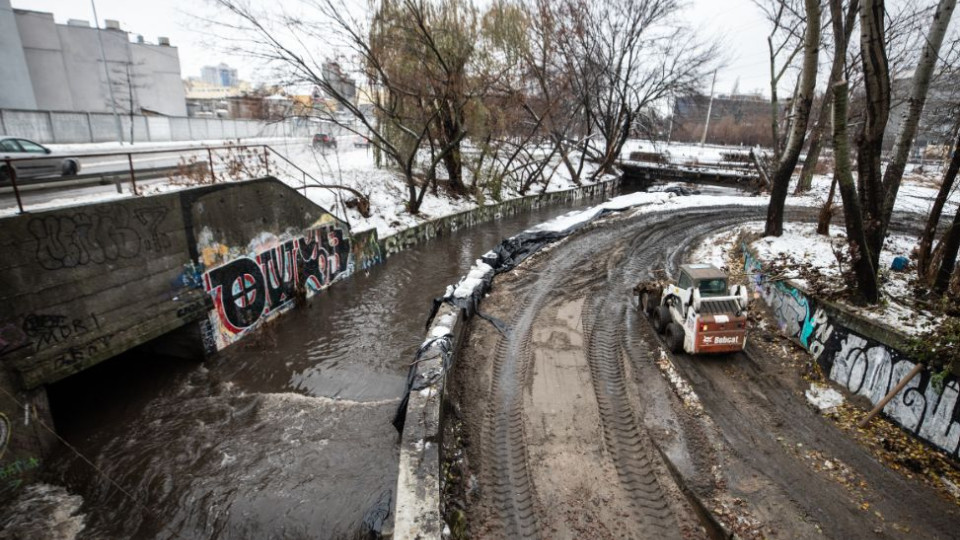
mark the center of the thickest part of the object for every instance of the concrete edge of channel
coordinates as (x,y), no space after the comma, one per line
(417,505)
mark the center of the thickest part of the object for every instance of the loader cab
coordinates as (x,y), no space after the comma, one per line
(710,280)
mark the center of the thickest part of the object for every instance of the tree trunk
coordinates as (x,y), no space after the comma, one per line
(926,239)
(951,245)
(867,283)
(908,129)
(805,88)
(813,151)
(774,105)
(841,27)
(826,213)
(876,81)
(451,124)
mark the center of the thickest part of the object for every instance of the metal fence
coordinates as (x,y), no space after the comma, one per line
(61,127)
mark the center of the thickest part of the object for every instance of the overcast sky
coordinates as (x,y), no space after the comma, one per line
(737,22)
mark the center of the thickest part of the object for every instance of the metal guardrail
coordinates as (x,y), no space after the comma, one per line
(133,173)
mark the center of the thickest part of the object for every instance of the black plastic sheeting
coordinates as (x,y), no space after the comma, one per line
(503,258)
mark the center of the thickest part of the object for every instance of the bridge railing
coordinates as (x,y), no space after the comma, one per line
(195,165)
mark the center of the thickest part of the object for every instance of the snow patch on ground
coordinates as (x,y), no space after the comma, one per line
(680,385)
(824,398)
(800,245)
(714,249)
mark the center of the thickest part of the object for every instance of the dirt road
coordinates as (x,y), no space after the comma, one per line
(570,429)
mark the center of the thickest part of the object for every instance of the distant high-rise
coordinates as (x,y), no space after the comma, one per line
(219,75)
(339,81)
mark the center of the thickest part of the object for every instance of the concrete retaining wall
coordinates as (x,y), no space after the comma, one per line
(64,127)
(440,226)
(863,357)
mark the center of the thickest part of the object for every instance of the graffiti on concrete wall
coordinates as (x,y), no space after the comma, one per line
(251,284)
(96,237)
(863,365)
(796,315)
(12,338)
(254,288)
(366,250)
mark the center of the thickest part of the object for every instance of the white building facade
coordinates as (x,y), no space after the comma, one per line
(58,67)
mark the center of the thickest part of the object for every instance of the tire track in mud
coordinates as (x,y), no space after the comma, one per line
(505,455)
(633,453)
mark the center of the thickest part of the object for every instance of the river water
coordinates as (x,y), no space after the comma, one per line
(286,434)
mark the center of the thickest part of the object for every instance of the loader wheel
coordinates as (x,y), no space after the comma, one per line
(661,316)
(674,337)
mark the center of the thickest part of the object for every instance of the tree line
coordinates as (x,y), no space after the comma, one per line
(476,98)
(853,116)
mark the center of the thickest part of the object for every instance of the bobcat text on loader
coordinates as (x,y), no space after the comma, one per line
(700,313)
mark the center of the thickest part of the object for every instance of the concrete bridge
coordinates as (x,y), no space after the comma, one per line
(641,172)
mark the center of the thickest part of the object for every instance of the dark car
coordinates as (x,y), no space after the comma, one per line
(47,162)
(324,140)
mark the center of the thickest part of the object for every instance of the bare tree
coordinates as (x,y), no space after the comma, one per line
(864,269)
(784,43)
(893,174)
(823,116)
(801,113)
(622,57)
(413,55)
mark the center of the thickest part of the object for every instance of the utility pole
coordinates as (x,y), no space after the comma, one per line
(672,113)
(706,125)
(106,71)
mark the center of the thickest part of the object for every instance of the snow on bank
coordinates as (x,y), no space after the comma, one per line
(801,246)
(916,194)
(355,168)
(810,261)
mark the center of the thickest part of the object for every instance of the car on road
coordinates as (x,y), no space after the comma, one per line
(362,142)
(43,161)
(324,140)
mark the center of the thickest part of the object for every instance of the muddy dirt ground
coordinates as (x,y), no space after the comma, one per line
(573,427)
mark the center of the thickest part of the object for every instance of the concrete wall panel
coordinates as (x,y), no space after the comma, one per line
(198,126)
(79,285)
(180,129)
(104,127)
(70,127)
(139,128)
(29,125)
(159,128)
(16,92)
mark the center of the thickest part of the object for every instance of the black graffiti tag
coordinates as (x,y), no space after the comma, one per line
(84,238)
(49,330)
(105,235)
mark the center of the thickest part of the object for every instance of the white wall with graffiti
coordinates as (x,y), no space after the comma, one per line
(863,365)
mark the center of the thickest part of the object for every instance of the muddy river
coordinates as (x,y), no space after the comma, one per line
(285,435)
